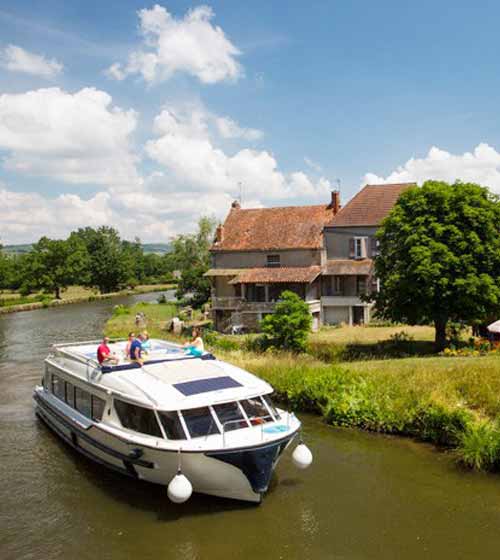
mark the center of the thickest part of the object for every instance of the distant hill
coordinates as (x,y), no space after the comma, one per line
(158,248)
(18,249)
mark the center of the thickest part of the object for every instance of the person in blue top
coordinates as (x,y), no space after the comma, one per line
(136,349)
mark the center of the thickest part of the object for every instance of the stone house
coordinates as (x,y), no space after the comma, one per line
(323,253)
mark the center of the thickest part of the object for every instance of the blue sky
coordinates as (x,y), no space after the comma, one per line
(283,98)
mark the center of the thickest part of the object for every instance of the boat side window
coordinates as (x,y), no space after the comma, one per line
(97,408)
(172,425)
(230,416)
(200,422)
(82,402)
(137,418)
(70,394)
(271,406)
(58,387)
(256,411)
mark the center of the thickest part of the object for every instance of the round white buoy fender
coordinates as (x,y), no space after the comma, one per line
(179,489)
(302,456)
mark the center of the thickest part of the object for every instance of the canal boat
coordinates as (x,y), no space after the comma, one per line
(188,422)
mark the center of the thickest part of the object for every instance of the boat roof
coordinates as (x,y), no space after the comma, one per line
(170,379)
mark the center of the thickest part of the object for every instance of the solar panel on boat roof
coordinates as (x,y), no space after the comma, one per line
(189,388)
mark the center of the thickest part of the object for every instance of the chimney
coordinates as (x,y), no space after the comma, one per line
(335,203)
(236,205)
(219,234)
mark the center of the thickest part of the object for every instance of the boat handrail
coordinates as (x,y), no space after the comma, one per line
(238,420)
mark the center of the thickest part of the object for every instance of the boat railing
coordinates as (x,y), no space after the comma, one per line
(92,366)
(237,421)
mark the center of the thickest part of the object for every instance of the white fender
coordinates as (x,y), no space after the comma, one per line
(302,456)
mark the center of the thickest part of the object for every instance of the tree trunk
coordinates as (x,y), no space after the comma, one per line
(440,339)
(58,292)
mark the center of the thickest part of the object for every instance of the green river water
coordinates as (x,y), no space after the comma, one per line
(365,496)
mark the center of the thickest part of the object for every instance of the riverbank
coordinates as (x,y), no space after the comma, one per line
(381,379)
(75,294)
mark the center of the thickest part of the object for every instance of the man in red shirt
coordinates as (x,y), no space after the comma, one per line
(104,355)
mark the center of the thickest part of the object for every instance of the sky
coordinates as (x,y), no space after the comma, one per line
(147,116)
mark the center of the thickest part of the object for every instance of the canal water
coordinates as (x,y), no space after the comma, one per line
(365,496)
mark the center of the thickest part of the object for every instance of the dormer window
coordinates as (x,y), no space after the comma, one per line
(273,261)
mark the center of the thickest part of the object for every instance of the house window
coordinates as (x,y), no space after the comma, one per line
(360,247)
(338,285)
(360,285)
(273,261)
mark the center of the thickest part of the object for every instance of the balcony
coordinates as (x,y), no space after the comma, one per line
(243,305)
(341,301)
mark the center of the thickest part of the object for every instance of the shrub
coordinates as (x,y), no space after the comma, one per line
(479,446)
(119,310)
(289,326)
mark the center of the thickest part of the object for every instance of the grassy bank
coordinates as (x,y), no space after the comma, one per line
(11,302)
(450,401)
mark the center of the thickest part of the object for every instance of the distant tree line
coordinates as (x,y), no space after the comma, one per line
(95,258)
(100,259)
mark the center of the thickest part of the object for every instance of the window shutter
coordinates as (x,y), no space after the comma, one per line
(374,249)
(351,247)
(363,248)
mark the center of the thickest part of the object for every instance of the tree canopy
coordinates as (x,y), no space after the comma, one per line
(439,257)
(191,255)
(55,264)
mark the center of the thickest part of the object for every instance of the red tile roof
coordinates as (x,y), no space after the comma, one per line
(370,206)
(302,275)
(268,229)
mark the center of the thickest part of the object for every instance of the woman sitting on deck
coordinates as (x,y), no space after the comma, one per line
(195,347)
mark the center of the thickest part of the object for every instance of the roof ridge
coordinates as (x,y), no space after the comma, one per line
(284,207)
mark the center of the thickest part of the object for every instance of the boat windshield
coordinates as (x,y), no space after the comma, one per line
(230,416)
(256,411)
(200,422)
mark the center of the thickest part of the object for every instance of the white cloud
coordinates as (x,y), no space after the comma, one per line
(76,138)
(17,59)
(313,165)
(187,150)
(480,166)
(195,176)
(230,129)
(190,44)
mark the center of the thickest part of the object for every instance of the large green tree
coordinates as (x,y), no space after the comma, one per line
(55,264)
(439,258)
(191,255)
(111,266)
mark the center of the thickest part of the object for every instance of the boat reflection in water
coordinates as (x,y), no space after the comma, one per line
(189,422)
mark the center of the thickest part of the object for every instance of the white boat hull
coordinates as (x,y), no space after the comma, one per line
(242,474)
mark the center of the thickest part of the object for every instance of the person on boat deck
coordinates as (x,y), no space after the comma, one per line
(104,355)
(136,349)
(195,346)
(131,337)
(146,343)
